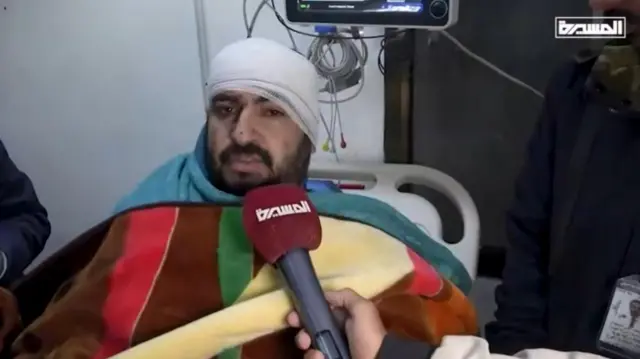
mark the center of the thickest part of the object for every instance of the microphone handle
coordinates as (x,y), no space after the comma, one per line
(316,317)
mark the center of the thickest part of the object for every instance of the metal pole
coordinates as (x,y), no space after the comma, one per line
(203,44)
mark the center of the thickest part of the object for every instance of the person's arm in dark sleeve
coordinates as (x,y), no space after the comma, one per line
(24,227)
(522,297)
(394,347)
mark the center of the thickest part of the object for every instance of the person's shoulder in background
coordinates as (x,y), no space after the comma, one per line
(24,223)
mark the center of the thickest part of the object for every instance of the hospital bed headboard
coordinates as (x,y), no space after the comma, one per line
(381,181)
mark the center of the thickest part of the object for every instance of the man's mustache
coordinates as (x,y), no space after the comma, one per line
(250,149)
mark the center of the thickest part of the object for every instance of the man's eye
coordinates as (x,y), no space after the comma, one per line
(274,113)
(224,109)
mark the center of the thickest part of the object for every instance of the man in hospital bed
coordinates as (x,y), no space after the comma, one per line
(176,277)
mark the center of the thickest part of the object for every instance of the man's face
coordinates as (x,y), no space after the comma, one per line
(631,6)
(253,142)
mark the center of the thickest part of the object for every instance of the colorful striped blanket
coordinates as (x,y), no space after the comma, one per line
(168,281)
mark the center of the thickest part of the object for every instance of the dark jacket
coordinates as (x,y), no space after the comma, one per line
(565,309)
(24,227)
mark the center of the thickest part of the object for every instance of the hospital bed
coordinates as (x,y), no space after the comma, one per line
(380,181)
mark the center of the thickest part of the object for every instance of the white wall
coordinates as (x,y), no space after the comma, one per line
(95,94)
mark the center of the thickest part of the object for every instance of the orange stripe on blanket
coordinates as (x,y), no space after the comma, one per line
(133,276)
(426,280)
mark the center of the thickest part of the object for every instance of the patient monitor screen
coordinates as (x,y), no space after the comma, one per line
(407,6)
(389,13)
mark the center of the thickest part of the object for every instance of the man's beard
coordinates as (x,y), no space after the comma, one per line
(294,169)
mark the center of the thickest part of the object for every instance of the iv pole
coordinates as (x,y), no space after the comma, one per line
(203,44)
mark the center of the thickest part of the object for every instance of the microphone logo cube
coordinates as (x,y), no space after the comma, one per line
(280,218)
(263,214)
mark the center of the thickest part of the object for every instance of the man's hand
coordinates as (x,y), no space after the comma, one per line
(361,321)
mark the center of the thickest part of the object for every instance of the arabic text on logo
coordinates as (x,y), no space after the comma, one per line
(590,27)
(264,214)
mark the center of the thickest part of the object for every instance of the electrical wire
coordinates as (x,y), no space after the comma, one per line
(472,55)
(350,67)
(343,74)
(491,66)
(383,44)
(250,25)
(340,75)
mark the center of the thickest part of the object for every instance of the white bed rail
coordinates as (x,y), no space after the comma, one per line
(389,177)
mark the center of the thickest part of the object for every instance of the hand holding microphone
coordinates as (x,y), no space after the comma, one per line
(284,226)
(366,333)
(361,320)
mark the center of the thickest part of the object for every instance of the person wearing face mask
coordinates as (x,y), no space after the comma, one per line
(571,276)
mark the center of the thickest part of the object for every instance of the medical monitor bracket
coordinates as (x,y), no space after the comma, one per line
(409,14)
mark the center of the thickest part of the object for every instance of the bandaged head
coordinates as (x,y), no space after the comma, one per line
(263,115)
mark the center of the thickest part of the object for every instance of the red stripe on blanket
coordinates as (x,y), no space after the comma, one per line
(426,280)
(133,276)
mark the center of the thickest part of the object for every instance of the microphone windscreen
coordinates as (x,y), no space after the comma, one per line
(280,218)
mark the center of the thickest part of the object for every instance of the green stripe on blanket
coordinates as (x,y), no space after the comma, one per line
(235,263)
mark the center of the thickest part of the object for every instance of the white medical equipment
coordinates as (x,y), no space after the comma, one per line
(384,181)
(435,15)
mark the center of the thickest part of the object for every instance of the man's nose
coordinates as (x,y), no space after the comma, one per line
(243,130)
